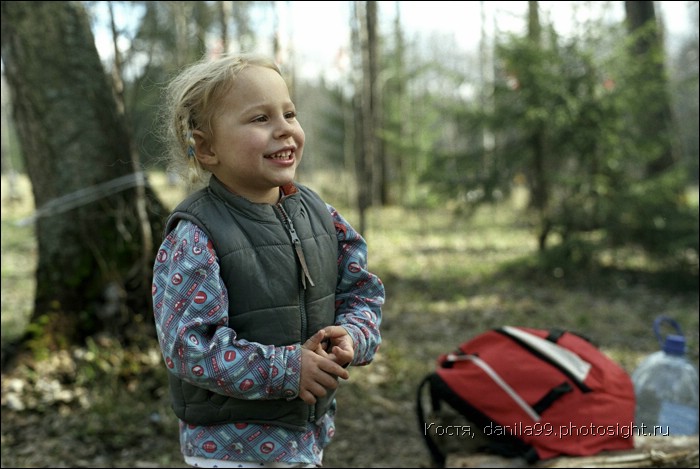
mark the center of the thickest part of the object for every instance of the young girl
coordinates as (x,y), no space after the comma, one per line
(261,292)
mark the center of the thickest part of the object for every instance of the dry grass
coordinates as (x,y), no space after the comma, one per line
(447,279)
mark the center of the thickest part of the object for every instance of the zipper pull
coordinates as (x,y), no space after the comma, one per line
(296,243)
(302,260)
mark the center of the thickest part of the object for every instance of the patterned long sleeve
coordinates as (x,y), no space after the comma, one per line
(359,294)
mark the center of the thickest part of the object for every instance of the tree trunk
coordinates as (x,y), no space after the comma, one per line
(91,275)
(375,121)
(224,14)
(367,168)
(654,118)
(539,186)
(394,165)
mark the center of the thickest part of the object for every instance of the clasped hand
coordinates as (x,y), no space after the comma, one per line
(324,357)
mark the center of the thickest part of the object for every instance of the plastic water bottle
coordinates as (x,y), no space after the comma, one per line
(666,387)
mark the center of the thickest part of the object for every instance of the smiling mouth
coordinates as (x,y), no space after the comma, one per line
(281,155)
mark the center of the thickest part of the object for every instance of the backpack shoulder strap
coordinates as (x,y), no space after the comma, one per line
(437,455)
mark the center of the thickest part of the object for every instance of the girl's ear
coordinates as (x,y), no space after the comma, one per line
(203,150)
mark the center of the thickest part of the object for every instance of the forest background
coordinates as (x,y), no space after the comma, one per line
(540,179)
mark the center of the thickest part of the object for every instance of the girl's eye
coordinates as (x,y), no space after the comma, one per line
(260,119)
(290,115)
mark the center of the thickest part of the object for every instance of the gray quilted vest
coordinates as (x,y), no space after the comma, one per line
(273,300)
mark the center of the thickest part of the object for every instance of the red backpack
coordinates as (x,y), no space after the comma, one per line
(531,393)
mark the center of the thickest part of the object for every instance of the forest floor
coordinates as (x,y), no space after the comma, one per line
(448,278)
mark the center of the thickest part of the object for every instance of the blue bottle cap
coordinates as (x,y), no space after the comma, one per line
(674,345)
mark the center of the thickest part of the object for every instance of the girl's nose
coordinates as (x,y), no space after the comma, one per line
(283,128)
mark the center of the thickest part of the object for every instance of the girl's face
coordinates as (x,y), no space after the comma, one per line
(256,141)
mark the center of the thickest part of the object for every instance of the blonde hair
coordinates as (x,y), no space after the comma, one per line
(191,102)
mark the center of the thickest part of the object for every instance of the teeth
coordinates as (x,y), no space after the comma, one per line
(283,155)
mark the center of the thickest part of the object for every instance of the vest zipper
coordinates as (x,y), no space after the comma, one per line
(296,243)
